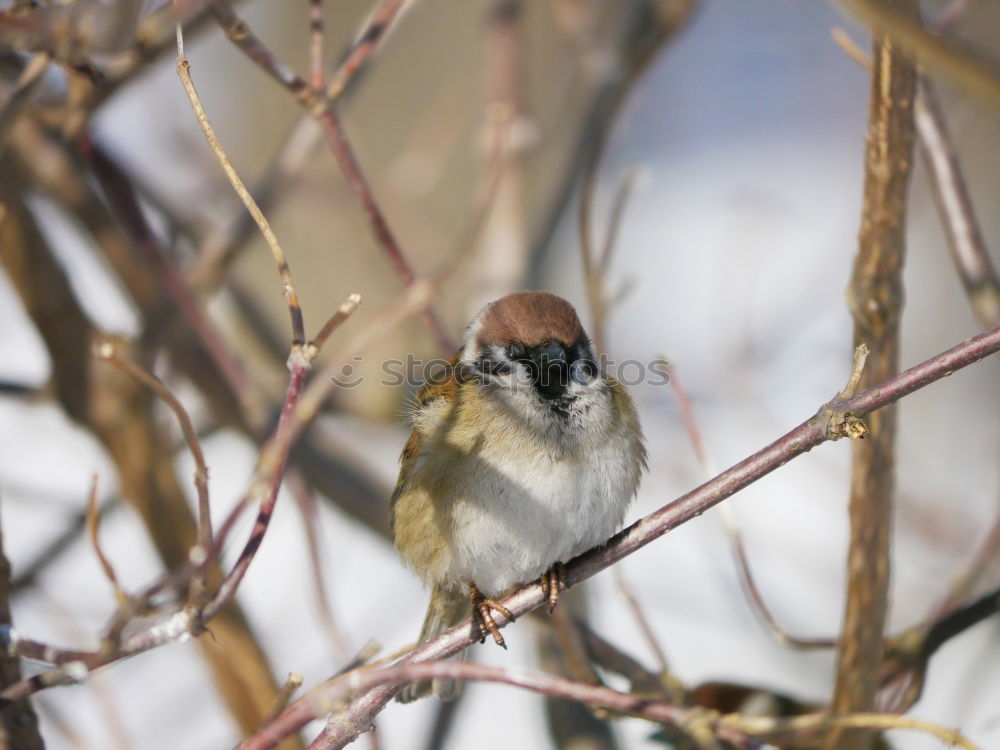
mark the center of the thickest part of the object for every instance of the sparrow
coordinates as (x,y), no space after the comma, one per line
(524,455)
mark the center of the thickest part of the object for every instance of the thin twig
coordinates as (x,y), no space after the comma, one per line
(934,53)
(733,533)
(107,351)
(951,194)
(317,74)
(655,30)
(815,431)
(294,309)
(272,466)
(300,407)
(27,82)
(292,683)
(345,311)
(701,723)
(766,727)
(337,141)
(57,546)
(639,615)
(760,607)
(332,696)
(366,44)
(965,238)
(93,527)
(596,265)
(626,187)
(239,33)
(306,504)
(641,680)
(222,246)
(123,202)
(861,352)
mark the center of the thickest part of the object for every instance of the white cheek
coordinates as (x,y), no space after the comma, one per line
(517,379)
(520,377)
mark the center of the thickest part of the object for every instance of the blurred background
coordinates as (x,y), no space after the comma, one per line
(735,132)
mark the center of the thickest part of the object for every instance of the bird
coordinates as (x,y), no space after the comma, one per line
(522,455)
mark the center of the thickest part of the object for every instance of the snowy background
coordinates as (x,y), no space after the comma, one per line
(748,130)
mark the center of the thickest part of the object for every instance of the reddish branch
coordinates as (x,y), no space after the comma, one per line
(317,77)
(301,405)
(379,23)
(240,34)
(124,205)
(826,425)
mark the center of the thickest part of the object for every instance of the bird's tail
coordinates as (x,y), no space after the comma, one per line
(446,609)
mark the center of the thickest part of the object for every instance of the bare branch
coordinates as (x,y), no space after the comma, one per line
(298,410)
(875,299)
(93,525)
(729,523)
(345,311)
(292,683)
(701,724)
(18,722)
(656,30)
(317,75)
(366,44)
(240,34)
(294,309)
(639,615)
(107,351)
(951,193)
(310,521)
(355,719)
(26,84)
(965,238)
(934,53)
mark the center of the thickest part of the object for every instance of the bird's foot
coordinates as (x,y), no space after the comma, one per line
(482,615)
(554,583)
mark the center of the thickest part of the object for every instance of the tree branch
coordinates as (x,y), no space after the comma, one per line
(875,298)
(239,34)
(705,726)
(825,425)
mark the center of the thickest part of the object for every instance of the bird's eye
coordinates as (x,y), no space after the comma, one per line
(552,350)
(583,371)
(515,351)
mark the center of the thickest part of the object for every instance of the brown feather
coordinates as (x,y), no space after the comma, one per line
(530,318)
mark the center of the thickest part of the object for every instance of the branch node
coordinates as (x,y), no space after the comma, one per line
(301,356)
(854,427)
(839,421)
(701,724)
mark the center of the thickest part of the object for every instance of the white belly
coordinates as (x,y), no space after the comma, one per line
(518,517)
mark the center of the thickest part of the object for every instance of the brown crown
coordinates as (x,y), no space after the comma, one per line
(530,318)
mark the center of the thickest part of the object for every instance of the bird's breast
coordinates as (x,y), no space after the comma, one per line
(518,509)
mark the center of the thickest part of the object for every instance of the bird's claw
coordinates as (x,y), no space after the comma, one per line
(483,617)
(554,583)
